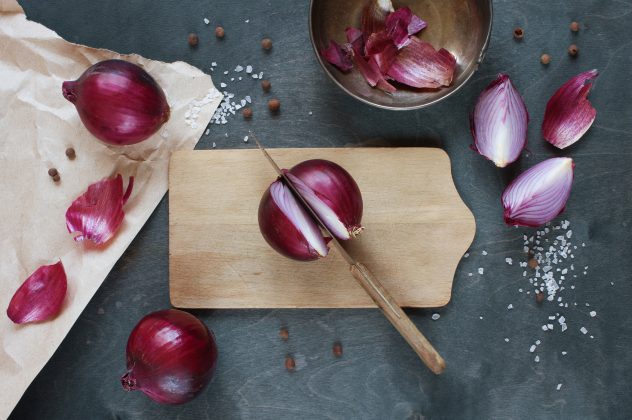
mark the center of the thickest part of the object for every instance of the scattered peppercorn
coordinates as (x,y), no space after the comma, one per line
(337,349)
(575,26)
(247,112)
(533,263)
(52,172)
(266,85)
(266,43)
(290,364)
(56,178)
(193,39)
(284,334)
(70,153)
(573,50)
(274,105)
(219,32)
(545,59)
(518,33)
(539,297)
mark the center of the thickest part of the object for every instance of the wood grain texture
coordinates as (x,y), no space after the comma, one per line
(417,229)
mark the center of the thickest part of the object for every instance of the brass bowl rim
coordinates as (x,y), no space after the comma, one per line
(481,56)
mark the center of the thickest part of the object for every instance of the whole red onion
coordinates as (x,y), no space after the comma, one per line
(330,191)
(171,357)
(118,102)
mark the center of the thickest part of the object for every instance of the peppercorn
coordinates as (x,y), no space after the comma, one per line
(247,112)
(266,43)
(219,32)
(52,172)
(266,85)
(193,39)
(70,153)
(545,59)
(290,364)
(56,178)
(539,297)
(274,105)
(518,33)
(575,26)
(533,263)
(573,50)
(337,349)
(284,334)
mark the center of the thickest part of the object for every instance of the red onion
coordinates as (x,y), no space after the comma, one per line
(118,102)
(333,195)
(539,194)
(171,357)
(41,296)
(569,114)
(499,122)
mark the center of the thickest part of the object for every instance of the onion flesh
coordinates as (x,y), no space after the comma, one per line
(118,102)
(171,357)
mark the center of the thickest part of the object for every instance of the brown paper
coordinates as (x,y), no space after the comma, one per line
(36,126)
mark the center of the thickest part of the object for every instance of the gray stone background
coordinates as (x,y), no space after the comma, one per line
(379,377)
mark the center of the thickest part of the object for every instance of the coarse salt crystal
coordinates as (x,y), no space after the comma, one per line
(537,342)
(480,317)
(550,326)
(248,99)
(261,75)
(248,69)
(537,359)
(552,317)
(583,330)
(506,340)
(484,252)
(206,21)
(564,353)
(213,64)
(466,255)
(469,274)
(509,261)
(225,71)
(207,131)
(481,270)
(593,314)
(238,69)
(435,316)
(509,307)
(532,348)
(254,76)
(561,319)
(222,85)
(245,139)
(559,386)
(247,20)
(213,145)
(544,328)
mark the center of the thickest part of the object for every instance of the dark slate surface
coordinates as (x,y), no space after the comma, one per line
(379,377)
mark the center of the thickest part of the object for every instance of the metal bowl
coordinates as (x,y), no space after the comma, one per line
(463,27)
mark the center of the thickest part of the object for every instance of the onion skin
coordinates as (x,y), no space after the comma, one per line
(118,102)
(171,357)
(336,188)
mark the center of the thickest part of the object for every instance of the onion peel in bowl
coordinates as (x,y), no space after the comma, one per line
(401,24)
(338,56)
(41,296)
(420,65)
(539,194)
(98,213)
(499,122)
(374,16)
(569,114)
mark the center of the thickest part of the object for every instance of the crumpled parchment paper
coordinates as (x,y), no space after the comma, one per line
(36,126)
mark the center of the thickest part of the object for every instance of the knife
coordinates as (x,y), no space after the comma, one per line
(371,284)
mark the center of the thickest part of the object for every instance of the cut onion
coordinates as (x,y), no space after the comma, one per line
(41,296)
(287,227)
(539,194)
(569,114)
(499,122)
(98,213)
(118,102)
(171,357)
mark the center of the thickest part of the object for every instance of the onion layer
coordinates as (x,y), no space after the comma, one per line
(118,102)
(171,357)
(499,122)
(41,296)
(539,194)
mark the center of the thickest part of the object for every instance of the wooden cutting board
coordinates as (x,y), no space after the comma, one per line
(417,229)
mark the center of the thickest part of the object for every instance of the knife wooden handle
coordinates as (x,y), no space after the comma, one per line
(398,318)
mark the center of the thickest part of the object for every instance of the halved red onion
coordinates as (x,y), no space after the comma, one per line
(332,193)
(499,122)
(420,65)
(338,56)
(374,16)
(41,296)
(401,24)
(569,114)
(98,213)
(539,194)
(287,227)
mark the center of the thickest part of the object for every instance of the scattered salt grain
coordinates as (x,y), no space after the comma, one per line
(537,359)
(506,340)
(208,130)
(225,71)
(593,314)
(583,330)
(484,252)
(509,261)
(559,386)
(222,85)
(467,254)
(564,353)
(469,274)
(481,270)
(545,328)
(435,316)
(480,317)
(206,21)
(537,342)
(213,64)
(509,307)
(532,348)
(246,139)
(248,69)
(213,145)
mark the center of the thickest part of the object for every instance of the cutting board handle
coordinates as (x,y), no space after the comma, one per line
(398,318)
